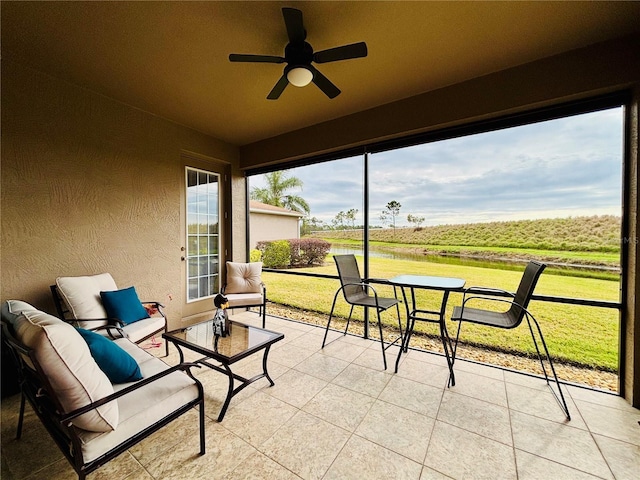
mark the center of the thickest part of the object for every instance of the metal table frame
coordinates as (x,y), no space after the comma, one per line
(227,361)
(445,285)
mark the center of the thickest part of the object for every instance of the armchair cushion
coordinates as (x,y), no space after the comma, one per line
(82,296)
(67,363)
(243,277)
(123,305)
(118,365)
(244,299)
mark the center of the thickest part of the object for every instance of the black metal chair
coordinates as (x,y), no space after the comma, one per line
(511,318)
(358,292)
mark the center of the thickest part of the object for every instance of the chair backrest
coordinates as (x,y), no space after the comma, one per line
(525,290)
(349,273)
(243,277)
(79,298)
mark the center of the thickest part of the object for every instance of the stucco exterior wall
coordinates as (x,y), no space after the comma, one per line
(265,227)
(90,185)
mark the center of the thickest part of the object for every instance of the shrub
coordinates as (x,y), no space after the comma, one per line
(255,255)
(308,251)
(295,252)
(275,254)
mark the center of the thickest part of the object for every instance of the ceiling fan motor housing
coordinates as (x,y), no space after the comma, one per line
(298,54)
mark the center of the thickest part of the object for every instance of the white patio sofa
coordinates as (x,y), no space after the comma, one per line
(91,418)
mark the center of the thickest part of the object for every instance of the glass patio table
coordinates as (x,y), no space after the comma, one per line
(241,342)
(446,285)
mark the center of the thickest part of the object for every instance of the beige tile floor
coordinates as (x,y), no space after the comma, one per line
(334,413)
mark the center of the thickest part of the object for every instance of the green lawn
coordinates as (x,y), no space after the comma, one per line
(577,334)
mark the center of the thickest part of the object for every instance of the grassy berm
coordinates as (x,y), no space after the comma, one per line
(593,240)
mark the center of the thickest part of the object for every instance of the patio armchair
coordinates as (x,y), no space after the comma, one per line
(95,303)
(358,292)
(509,319)
(244,287)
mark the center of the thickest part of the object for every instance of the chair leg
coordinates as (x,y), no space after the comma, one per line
(455,345)
(346,329)
(384,354)
(561,400)
(263,310)
(202,434)
(21,416)
(395,294)
(335,297)
(400,324)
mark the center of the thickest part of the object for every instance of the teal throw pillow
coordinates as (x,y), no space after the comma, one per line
(124,305)
(118,365)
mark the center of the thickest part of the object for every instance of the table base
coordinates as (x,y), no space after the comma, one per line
(226,369)
(439,318)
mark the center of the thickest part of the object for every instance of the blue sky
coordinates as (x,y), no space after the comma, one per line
(559,168)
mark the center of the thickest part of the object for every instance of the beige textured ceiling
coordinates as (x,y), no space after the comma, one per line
(171,58)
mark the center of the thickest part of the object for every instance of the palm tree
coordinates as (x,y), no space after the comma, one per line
(274,193)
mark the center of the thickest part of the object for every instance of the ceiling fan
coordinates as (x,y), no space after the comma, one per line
(298,56)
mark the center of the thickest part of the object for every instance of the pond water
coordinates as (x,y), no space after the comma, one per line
(418,257)
(506,264)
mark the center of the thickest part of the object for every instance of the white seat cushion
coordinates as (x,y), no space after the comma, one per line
(243,299)
(144,406)
(144,328)
(82,296)
(66,360)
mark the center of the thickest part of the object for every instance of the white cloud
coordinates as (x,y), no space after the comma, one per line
(559,168)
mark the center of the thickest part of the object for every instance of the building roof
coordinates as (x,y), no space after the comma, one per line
(258,207)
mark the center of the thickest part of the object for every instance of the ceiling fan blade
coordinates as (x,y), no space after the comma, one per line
(240,57)
(354,50)
(295,27)
(323,83)
(279,87)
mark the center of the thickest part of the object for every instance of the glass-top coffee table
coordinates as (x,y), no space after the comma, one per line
(242,341)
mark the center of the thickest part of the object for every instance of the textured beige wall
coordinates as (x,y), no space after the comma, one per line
(90,185)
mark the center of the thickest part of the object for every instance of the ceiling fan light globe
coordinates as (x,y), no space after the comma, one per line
(299,76)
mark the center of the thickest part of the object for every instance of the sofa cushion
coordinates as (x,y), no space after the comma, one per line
(66,361)
(118,365)
(82,296)
(11,309)
(244,277)
(143,407)
(124,305)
